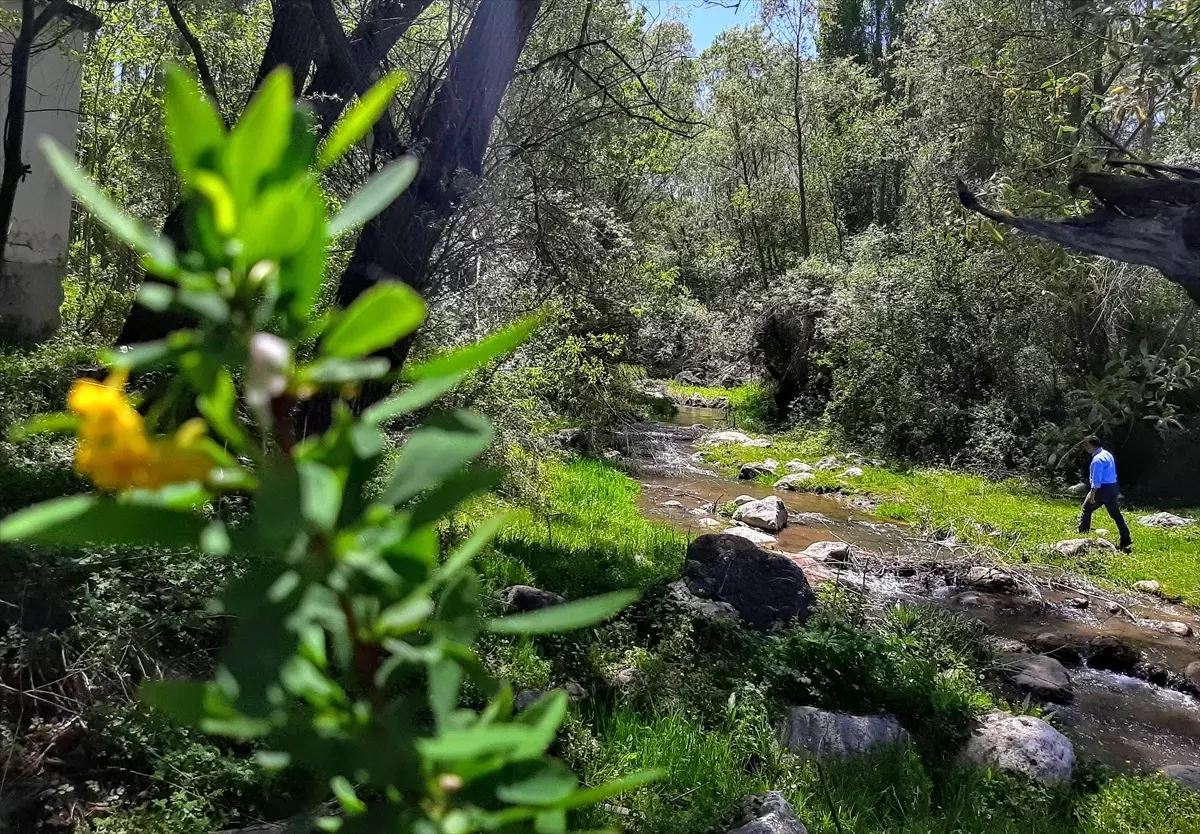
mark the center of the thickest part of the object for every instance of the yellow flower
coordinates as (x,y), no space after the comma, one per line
(114,450)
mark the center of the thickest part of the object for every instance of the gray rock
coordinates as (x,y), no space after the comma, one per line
(1112,654)
(612,455)
(1006,645)
(1021,744)
(758,537)
(528,598)
(767,589)
(526,698)
(1078,602)
(720,438)
(1077,490)
(674,505)
(829,463)
(839,553)
(569,438)
(769,814)
(1148,586)
(1192,675)
(710,523)
(797,466)
(1072,548)
(750,471)
(795,482)
(992,579)
(574,691)
(1061,647)
(1166,521)
(742,499)
(681,596)
(818,733)
(766,514)
(1170,627)
(758,443)
(1186,775)
(1042,677)
(853,472)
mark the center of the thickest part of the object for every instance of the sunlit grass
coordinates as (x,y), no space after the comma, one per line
(750,404)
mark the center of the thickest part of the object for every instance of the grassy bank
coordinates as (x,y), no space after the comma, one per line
(1014,516)
(700,700)
(750,405)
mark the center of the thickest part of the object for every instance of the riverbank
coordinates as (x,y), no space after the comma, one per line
(657,689)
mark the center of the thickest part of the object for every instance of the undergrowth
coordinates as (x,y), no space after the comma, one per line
(750,405)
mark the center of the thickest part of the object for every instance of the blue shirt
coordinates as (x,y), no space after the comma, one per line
(1103,470)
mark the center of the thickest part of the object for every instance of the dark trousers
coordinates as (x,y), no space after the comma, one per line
(1107,497)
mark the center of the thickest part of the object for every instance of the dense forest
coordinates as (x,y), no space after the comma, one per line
(564,221)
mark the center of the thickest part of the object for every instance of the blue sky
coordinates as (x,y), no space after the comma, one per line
(704,19)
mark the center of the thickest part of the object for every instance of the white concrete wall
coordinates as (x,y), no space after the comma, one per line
(31,289)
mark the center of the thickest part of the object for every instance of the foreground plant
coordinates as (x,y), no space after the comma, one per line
(351,643)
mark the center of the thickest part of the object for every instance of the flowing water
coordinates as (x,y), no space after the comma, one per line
(1125,722)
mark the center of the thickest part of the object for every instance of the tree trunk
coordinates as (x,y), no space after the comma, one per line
(801,191)
(454,132)
(294,42)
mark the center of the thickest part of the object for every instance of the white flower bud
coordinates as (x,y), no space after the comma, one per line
(270,357)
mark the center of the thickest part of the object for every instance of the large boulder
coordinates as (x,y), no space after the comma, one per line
(680,596)
(1021,744)
(1112,654)
(1192,675)
(795,482)
(816,732)
(1165,521)
(1186,775)
(758,537)
(766,514)
(838,553)
(993,579)
(797,466)
(1042,677)
(528,598)
(767,589)
(750,471)
(769,814)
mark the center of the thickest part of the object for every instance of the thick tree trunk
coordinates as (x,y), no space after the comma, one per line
(454,133)
(294,42)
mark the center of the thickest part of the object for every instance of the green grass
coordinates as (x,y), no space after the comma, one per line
(750,404)
(971,507)
(588,537)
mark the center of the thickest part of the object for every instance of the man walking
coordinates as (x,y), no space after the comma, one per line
(1102,477)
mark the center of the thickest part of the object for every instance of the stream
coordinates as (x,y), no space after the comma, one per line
(1132,724)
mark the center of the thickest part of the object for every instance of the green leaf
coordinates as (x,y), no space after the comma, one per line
(194,128)
(445,685)
(141,357)
(466,359)
(201,705)
(418,395)
(469,549)
(380,317)
(443,499)
(320,494)
(455,745)
(359,119)
(219,407)
(88,519)
(334,371)
(158,249)
(60,422)
(302,275)
(566,617)
(590,796)
(441,446)
(405,616)
(345,794)
(281,221)
(220,199)
(258,142)
(155,296)
(384,186)
(542,783)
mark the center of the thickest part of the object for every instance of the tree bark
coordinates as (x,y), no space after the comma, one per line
(295,42)
(454,133)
